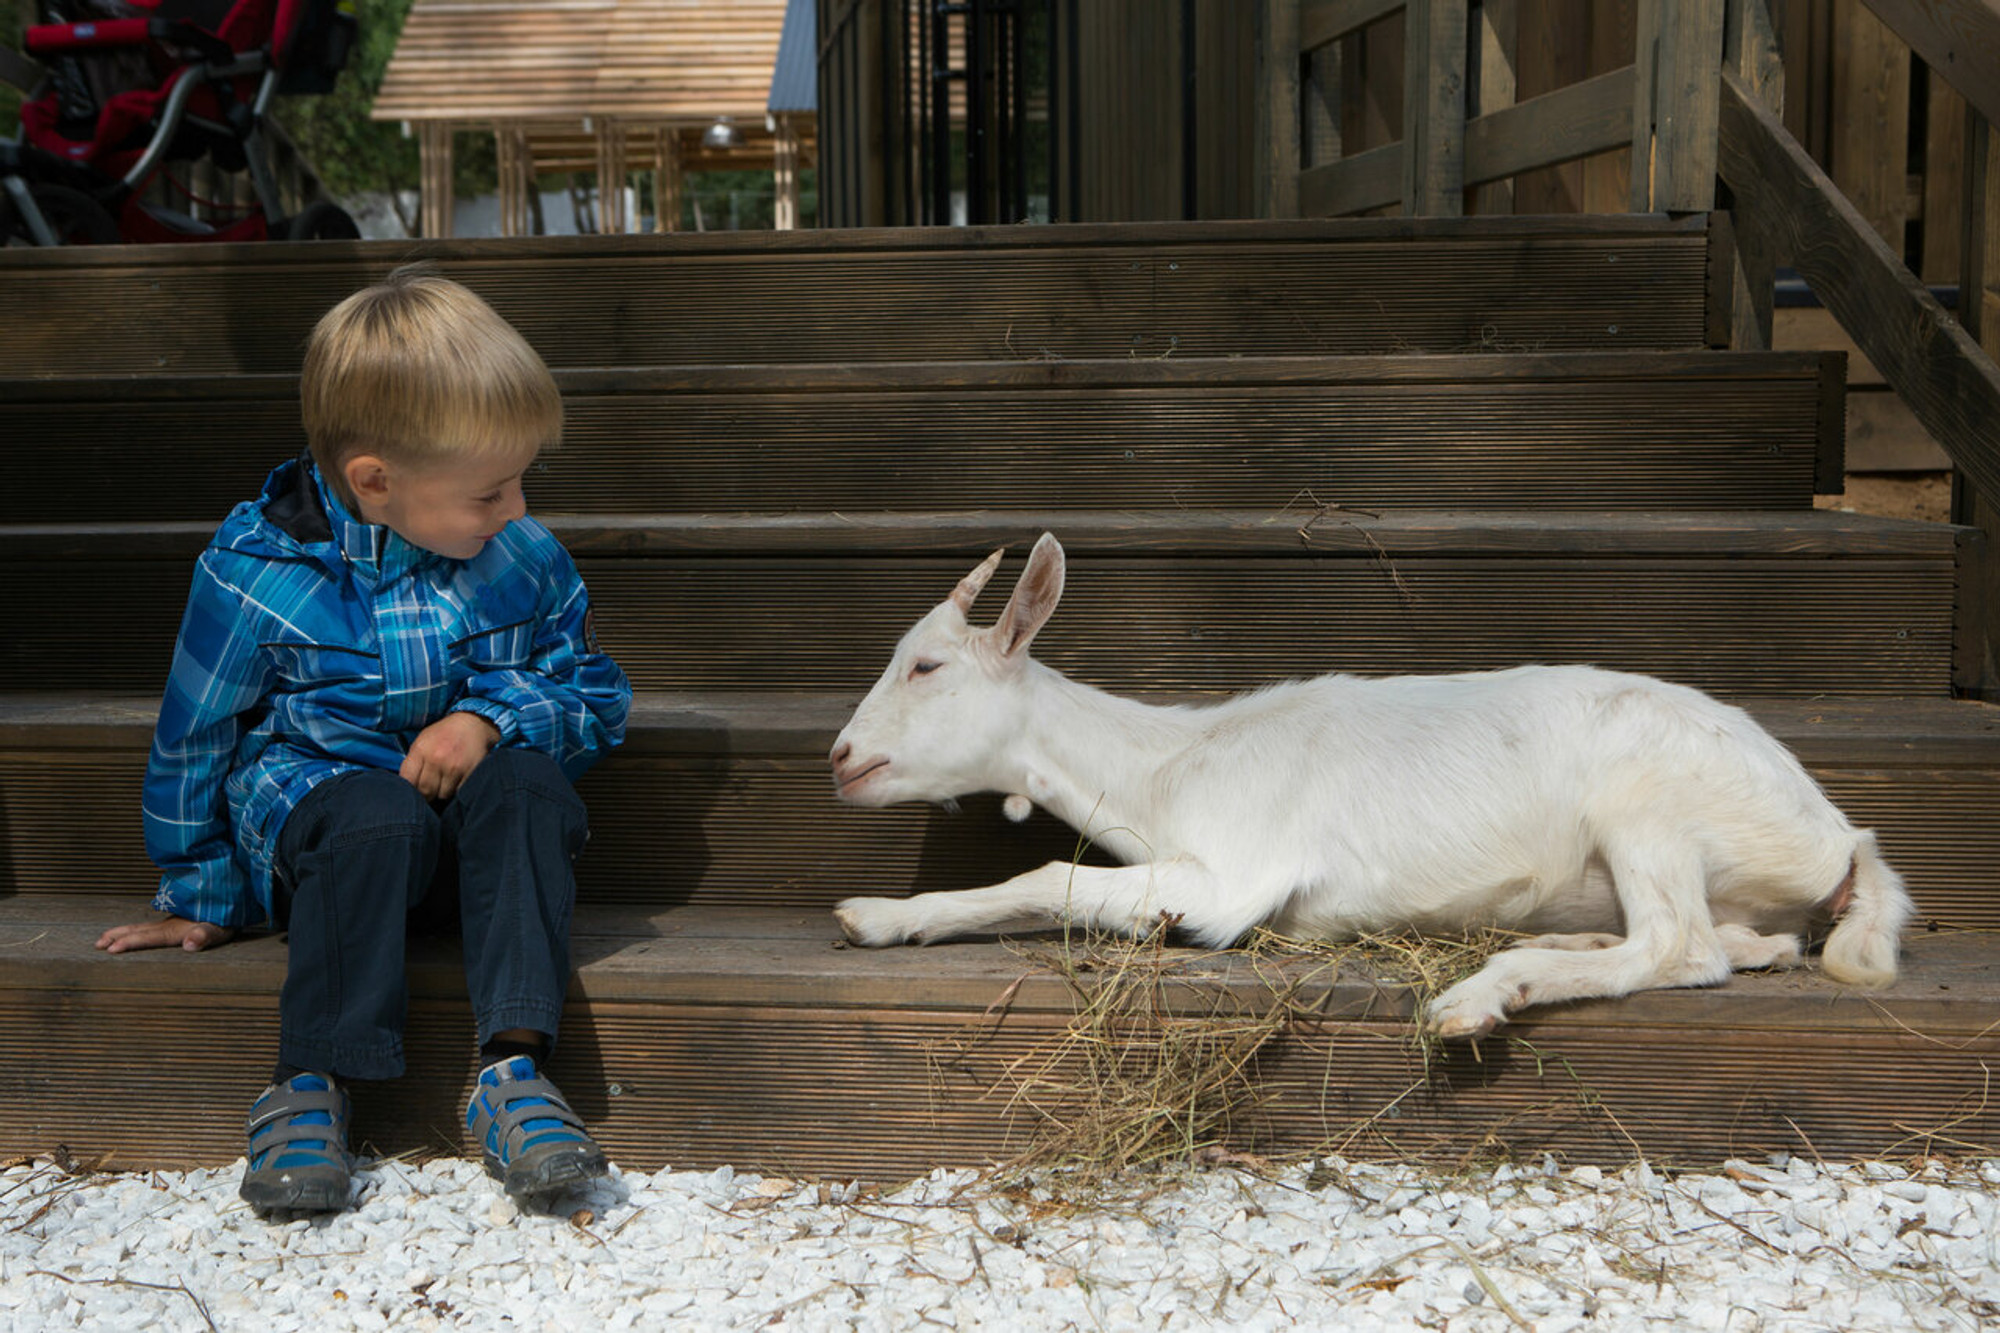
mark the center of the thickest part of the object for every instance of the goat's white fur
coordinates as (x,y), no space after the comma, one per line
(1667,837)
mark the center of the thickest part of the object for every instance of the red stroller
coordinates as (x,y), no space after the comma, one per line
(157,82)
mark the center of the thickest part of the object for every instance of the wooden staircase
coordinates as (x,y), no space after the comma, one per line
(1270,449)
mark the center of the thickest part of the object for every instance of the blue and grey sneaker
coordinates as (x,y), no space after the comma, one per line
(533,1143)
(298,1157)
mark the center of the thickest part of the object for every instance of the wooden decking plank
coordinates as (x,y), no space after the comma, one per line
(1216,289)
(1288,527)
(1950,985)
(1932,733)
(726,803)
(1737,603)
(1568,431)
(672,1062)
(1271,371)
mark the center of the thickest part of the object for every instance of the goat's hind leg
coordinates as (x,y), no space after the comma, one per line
(1127,899)
(1750,952)
(1671,940)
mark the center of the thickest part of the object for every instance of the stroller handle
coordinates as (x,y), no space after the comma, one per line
(50,39)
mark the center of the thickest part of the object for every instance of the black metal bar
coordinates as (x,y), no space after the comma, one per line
(1190,193)
(976,145)
(1073,130)
(939,89)
(1020,117)
(1052,65)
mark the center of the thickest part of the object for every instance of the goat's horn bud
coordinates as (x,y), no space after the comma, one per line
(969,587)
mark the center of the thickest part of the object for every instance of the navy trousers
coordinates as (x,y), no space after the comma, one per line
(362,852)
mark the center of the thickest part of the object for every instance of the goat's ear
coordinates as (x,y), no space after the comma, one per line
(1035,597)
(968,589)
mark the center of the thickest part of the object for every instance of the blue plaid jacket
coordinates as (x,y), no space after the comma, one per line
(315,644)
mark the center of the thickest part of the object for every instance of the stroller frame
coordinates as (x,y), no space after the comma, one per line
(219,67)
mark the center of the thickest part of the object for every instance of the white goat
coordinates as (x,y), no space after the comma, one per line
(1668,837)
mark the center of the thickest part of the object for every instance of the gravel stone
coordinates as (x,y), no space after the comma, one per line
(1770,1246)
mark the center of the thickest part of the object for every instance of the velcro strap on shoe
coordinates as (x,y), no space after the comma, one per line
(286,1105)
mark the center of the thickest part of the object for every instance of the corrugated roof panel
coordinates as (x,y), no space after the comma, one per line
(795,83)
(689,60)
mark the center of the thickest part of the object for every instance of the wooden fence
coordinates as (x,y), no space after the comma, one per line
(1886,128)
(1872,174)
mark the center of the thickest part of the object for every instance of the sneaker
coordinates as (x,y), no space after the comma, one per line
(297,1158)
(532,1142)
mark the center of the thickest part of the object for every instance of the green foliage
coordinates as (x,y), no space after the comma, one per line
(742,200)
(351,152)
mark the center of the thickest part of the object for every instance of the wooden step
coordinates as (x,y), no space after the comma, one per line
(1581,430)
(980,293)
(724,801)
(699,1037)
(1748,604)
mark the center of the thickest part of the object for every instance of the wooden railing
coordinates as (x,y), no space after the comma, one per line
(1460,132)
(1701,101)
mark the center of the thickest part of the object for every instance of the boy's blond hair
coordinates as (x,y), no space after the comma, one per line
(419,370)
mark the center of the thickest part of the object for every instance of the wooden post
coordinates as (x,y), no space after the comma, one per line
(1871,122)
(1280,153)
(1499,49)
(1750,49)
(517,177)
(610,176)
(1979,314)
(667,179)
(1675,105)
(1434,108)
(434,179)
(785,170)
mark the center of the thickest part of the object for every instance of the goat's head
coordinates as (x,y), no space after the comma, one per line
(952,696)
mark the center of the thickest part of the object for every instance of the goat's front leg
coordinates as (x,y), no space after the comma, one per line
(1126,899)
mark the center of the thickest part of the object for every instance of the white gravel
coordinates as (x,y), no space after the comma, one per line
(1759,1246)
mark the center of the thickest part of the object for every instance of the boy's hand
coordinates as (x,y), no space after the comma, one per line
(446,752)
(194,936)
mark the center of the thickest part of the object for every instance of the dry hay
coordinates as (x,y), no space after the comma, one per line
(1159,1060)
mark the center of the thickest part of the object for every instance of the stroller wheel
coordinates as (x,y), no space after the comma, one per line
(73,216)
(322,221)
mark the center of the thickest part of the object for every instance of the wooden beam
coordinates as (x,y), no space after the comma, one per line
(1951,384)
(1323,21)
(434,197)
(1687,51)
(1868,139)
(1750,47)
(1979,312)
(610,176)
(1589,117)
(1593,116)
(1434,108)
(1373,179)
(1497,90)
(667,180)
(1960,39)
(785,176)
(1279,150)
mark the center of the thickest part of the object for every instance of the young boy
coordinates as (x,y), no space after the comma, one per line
(384,665)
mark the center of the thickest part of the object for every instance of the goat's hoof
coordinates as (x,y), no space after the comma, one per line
(871,922)
(1462,1023)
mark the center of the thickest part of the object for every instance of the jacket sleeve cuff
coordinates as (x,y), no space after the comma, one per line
(235,914)
(499,714)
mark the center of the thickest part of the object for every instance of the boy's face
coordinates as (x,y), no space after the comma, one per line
(452,508)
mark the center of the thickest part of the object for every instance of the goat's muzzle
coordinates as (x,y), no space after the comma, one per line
(849,774)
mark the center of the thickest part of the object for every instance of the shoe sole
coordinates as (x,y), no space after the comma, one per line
(299,1190)
(550,1170)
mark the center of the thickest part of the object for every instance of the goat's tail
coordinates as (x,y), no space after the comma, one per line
(1862,949)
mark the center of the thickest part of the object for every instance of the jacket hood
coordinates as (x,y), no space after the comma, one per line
(297,517)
